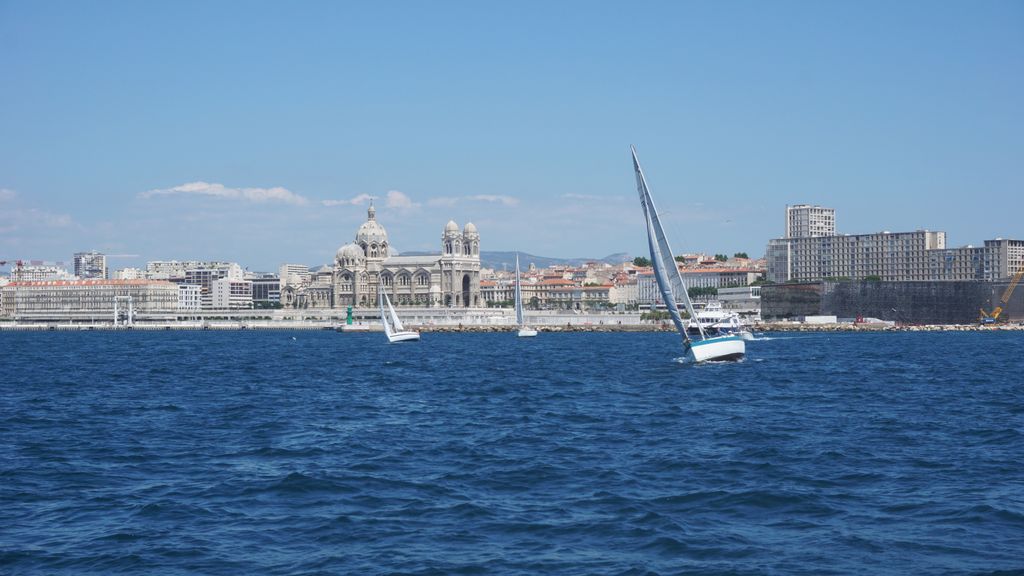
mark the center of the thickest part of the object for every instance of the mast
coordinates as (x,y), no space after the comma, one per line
(666,271)
(383,313)
(518,295)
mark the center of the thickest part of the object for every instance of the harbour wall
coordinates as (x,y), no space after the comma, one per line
(903,302)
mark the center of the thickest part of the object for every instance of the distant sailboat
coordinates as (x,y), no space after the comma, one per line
(392,325)
(524,330)
(670,283)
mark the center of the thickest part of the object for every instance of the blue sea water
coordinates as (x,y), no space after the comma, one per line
(322,453)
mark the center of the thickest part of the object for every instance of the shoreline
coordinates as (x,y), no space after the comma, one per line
(467,327)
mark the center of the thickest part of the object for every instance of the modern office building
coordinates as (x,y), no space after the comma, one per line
(231,294)
(266,290)
(205,276)
(189,298)
(90,265)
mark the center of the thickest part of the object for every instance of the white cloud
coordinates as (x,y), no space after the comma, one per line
(399,201)
(276,194)
(442,201)
(7,194)
(504,200)
(450,201)
(356,201)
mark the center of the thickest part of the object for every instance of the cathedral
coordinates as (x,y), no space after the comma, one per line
(451,279)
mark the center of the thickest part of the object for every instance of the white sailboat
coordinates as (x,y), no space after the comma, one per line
(524,330)
(670,283)
(392,325)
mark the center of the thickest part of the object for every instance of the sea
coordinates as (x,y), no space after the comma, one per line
(315,452)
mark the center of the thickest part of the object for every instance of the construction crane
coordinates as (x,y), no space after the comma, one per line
(990,318)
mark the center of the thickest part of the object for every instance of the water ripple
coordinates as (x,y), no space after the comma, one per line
(251,452)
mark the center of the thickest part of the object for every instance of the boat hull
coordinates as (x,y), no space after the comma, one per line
(718,349)
(403,337)
(526,333)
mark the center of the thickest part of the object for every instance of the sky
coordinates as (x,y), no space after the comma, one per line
(257,132)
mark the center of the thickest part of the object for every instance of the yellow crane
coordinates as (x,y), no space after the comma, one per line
(989,318)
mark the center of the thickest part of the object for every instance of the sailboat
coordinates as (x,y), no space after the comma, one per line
(392,325)
(670,283)
(524,330)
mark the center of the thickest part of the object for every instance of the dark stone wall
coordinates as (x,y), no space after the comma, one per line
(781,301)
(904,302)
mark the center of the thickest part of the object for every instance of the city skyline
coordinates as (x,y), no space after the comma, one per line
(259,135)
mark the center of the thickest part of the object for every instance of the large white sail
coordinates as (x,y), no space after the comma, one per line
(666,271)
(519,296)
(395,321)
(385,317)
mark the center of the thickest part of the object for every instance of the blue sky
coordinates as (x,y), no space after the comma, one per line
(254,132)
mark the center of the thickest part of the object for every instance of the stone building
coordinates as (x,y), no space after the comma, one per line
(451,278)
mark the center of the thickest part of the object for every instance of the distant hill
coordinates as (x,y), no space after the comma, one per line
(507,260)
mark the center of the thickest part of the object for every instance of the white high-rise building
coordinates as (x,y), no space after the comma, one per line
(805,221)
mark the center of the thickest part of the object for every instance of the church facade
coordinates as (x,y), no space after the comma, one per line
(451,279)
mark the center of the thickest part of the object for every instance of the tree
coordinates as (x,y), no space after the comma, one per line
(641,262)
(741,255)
(702,291)
(680,258)
(721,257)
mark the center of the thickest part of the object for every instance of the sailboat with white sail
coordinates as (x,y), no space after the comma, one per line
(670,283)
(524,330)
(392,325)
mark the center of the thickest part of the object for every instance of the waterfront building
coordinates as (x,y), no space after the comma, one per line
(189,298)
(921,255)
(88,300)
(498,291)
(449,279)
(231,294)
(806,221)
(90,265)
(626,292)
(38,272)
(205,276)
(266,290)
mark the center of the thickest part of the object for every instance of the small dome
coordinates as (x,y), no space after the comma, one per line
(469,229)
(371,231)
(451,226)
(349,252)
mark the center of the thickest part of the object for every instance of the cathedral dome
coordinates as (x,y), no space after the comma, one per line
(469,229)
(349,253)
(451,227)
(371,231)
